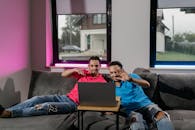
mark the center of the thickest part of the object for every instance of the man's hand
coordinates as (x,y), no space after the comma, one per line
(124,76)
(69,72)
(79,71)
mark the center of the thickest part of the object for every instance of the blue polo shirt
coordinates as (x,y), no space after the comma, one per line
(132,95)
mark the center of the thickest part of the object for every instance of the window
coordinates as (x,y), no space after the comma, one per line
(81,31)
(99,19)
(172,30)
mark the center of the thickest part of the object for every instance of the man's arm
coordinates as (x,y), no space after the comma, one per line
(140,82)
(69,72)
(125,77)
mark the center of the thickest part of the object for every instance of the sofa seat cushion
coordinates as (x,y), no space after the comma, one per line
(47,122)
(99,121)
(183,119)
(181,114)
(187,124)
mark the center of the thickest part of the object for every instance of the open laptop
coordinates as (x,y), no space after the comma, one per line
(97,94)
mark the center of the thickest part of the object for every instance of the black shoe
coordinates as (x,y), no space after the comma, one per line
(1,109)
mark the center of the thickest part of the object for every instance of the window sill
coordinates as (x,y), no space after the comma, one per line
(61,67)
(173,69)
(76,65)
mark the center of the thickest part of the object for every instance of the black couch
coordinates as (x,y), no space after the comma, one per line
(174,93)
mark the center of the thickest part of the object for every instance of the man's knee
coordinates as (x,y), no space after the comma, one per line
(43,106)
(161,114)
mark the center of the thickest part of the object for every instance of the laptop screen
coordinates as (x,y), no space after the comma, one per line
(96,94)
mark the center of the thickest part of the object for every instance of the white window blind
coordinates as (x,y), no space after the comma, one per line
(80,6)
(175,3)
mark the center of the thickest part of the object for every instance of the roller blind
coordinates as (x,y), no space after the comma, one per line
(80,6)
(175,3)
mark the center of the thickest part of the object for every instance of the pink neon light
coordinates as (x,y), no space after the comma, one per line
(77,65)
(49,49)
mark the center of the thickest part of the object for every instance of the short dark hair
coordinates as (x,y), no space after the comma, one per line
(94,58)
(116,63)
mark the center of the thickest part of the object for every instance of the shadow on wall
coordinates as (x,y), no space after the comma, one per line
(8,96)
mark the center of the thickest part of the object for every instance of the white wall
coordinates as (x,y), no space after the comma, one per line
(131,32)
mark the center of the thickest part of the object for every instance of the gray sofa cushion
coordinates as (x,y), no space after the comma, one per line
(181,114)
(187,124)
(47,122)
(99,121)
(49,83)
(177,91)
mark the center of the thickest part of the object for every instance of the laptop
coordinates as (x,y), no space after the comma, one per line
(97,94)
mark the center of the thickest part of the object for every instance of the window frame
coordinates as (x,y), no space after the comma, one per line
(153,23)
(56,59)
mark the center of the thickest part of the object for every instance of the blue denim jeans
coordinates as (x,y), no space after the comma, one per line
(43,105)
(145,119)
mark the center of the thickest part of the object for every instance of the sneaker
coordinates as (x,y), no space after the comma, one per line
(1,109)
(5,114)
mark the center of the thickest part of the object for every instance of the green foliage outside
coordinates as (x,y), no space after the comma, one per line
(174,56)
(71,33)
(190,37)
(183,44)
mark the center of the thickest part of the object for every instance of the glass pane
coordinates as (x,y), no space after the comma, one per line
(104,18)
(175,34)
(95,19)
(79,38)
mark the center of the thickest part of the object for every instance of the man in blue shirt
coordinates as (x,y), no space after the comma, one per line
(137,105)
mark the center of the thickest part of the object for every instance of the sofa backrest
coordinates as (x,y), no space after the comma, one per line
(152,78)
(171,90)
(47,83)
(176,91)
